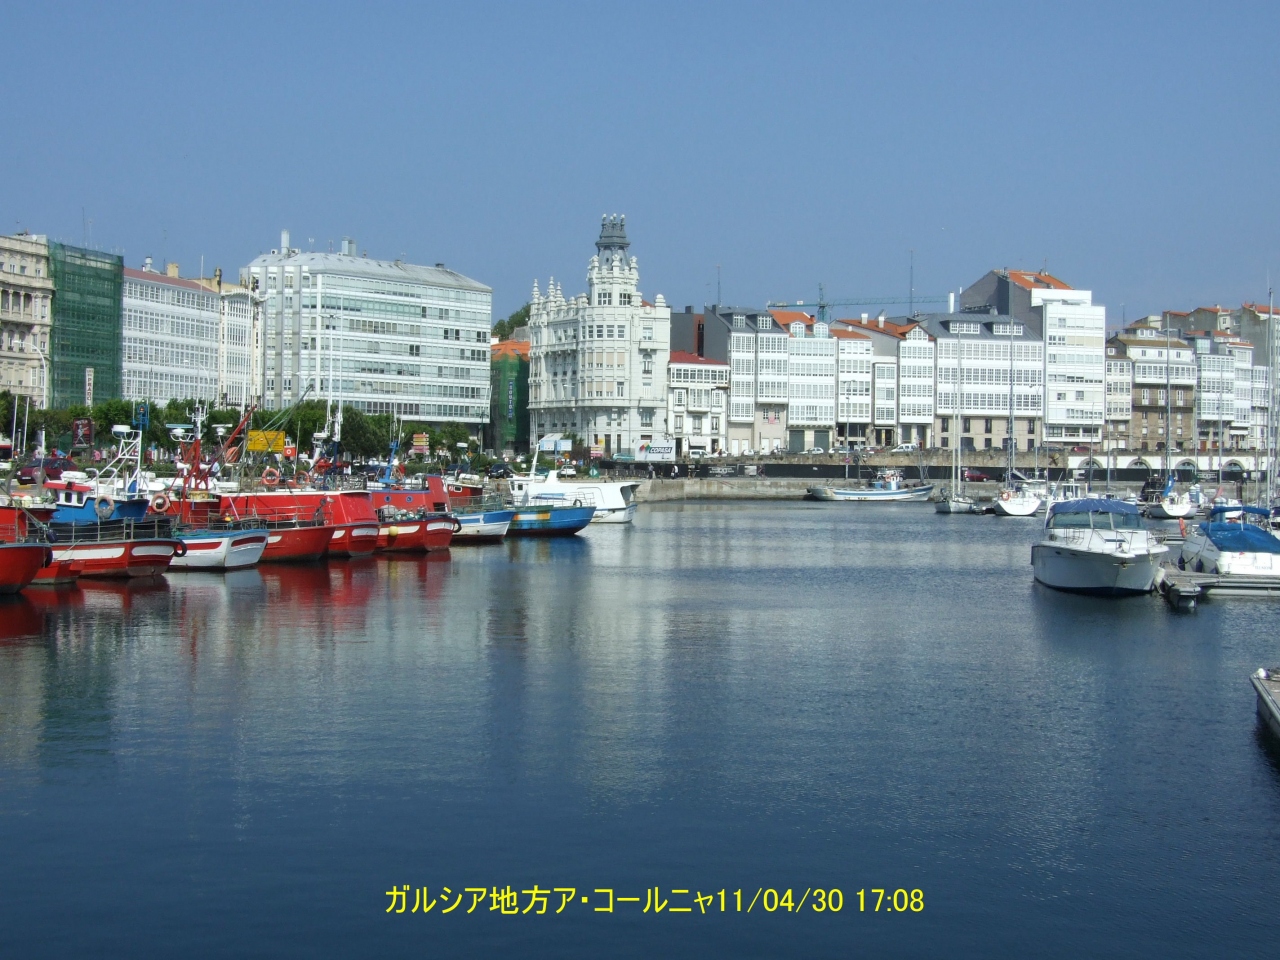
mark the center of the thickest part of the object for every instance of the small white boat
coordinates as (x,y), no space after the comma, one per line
(1167,505)
(955,504)
(482,525)
(1018,501)
(888,486)
(1096,546)
(614,500)
(219,549)
(1245,547)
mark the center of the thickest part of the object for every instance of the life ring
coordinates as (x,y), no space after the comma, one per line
(1006,495)
(302,477)
(160,503)
(104,507)
(271,476)
(1182,526)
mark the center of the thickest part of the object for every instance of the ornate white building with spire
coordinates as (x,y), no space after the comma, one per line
(598,361)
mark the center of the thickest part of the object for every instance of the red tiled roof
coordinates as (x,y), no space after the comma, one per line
(163,278)
(788,317)
(684,356)
(849,334)
(1261,308)
(519,348)
(872,325)
(1031,279)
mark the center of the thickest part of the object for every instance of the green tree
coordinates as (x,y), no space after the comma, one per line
(504,328)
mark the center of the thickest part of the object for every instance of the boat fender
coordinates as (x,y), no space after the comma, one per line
(457,524)
(271,476)
(1005,495)
(104,507)
(1182,526)
(181,549)
(393,532)
(159,503)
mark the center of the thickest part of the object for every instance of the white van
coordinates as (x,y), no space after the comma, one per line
(905,448)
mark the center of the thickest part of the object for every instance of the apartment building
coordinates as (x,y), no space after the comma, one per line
(1073,331)
(697,403)
(755,346)
(978,355)
(379,335)
(598,360)
(1119,381)
(26,305)
(1163,372)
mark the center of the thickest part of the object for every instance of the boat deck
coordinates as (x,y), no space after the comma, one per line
(1184,589)
(1267,685)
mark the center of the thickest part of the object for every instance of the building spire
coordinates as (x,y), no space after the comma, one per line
(613,238)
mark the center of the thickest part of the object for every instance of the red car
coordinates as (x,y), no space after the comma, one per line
(975,476)
(53,467)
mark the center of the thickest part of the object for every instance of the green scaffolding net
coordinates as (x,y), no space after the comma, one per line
(88,332)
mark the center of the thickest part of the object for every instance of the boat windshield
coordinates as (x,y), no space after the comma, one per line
(1097,520)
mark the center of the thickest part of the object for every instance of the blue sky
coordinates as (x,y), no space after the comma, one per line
(1131,147)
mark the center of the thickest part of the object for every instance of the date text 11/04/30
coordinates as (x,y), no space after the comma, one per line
(510,901)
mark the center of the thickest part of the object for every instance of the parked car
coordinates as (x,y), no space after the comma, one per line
(53,467)
(816,450)
(906,448)
(568,470)
(501,471)
(975,476)
(1079,449)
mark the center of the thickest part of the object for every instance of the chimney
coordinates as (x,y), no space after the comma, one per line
(880,321)
(171,270)
(864,319)
(348,247)
(284,242)
(146,264)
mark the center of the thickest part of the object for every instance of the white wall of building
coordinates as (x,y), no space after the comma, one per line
(171,338)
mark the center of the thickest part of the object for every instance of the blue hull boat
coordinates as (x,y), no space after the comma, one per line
(545,520)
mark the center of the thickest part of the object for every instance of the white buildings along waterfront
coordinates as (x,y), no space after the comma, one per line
(26,295)
(381,336)
(171,337)
(598,360)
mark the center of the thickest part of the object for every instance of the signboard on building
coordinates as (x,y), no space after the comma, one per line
(511,398)
(555,443)
(266,441)
(421,444)
(656,451)
(88,386)
(81,432)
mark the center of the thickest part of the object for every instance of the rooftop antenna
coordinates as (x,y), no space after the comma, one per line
(911,286)
(717,285)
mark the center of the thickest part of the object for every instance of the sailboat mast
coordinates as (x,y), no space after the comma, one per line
(1271,399)
(1009,472)
(1168,398)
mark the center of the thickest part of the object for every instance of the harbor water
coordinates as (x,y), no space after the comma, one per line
(719,696)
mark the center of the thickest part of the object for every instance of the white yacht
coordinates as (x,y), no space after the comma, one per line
(1224,546)
(615,501)
(1017,500)
(1096,546)
(953,499)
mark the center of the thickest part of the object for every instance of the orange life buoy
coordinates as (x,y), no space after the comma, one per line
(302,477)
(1006,495)
(271,476)
(159,503)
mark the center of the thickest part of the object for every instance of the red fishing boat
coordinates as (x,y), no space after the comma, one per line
(414,520)
(346,515)
(111,548)
(19,564)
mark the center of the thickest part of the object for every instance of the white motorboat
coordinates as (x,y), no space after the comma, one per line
(1096,546)
(219,549)
(1220,545)
(1166,504)
(889,486)
(615,501)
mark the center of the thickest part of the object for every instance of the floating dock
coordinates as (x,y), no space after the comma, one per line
(1268,690)
(1184,589)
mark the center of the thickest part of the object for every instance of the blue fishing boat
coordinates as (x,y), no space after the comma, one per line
(117,492)
(548,520)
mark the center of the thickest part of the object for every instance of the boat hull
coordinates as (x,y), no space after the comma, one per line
(1016,506)
(1200,554)
(955,505)
(20,563)
(118,558)
(485,527)
(353,539)
(1084,571)
(215,550)
(877,496)
(547,521)
(416,535)
(1170,510)
(296,544)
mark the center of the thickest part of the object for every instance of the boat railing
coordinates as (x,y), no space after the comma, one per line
(152,527)
(484,504)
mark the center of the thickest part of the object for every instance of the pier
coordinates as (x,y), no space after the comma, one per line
(1267,685)
(1185,589)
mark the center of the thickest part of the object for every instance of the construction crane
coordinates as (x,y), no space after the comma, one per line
(822,303)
